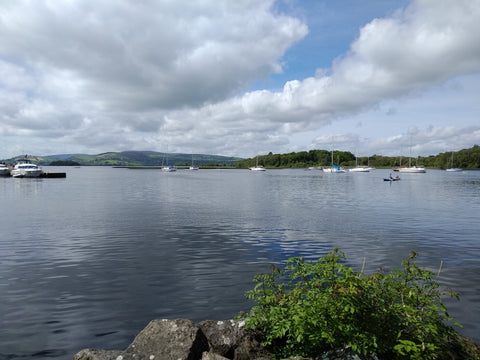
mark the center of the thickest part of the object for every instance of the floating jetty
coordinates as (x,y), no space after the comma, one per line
(53,175)
(44,175)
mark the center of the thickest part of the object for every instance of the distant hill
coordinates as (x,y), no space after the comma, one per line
(64,163)
(130,158)
(63,156)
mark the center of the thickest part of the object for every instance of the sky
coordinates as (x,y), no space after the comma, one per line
(239,78)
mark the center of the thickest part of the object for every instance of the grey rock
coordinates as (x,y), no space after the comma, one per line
(95,354)
(223,336)
(212,356)
(178,339)
(181,339)
(232,340)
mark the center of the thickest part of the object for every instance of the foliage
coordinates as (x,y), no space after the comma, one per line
(300,159)
(466,159)
(311,307)
(64,163)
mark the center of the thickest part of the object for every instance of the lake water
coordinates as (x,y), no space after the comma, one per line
(88,261)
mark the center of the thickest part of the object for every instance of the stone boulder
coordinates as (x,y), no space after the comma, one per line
(232,340)
(167,339)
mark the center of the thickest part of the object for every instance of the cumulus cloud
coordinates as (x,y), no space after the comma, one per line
(424,45)
(423,142)
(150,55)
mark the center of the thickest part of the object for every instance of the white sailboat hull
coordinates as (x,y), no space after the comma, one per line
(168,169)
(412,169)
(359,169)
(333,170)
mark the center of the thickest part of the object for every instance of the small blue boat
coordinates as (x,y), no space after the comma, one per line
(392,178)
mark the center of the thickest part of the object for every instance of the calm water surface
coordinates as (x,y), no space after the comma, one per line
(88,261)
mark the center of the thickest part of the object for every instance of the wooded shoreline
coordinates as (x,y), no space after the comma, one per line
(467,159)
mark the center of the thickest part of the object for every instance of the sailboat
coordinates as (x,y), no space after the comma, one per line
(359,168)
(257,167)
(333,168)
(193,167)
(166,167)
(169,168)
(453,168)
(410,168)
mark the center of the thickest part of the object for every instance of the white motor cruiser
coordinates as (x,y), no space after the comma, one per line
(4,170)
(24,168)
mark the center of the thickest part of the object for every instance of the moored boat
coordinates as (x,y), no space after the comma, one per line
(169,168)
(257,167)
(4,170)
(165,166)
(24,168)
(454,168)
(391,178)
(412,169)
(193,166)
(333,168)
(359,169)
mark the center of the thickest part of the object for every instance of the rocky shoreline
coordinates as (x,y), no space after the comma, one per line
(183,339)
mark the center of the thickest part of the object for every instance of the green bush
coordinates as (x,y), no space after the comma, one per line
(311,307)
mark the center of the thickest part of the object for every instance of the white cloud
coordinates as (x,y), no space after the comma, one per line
(424,142)
(150,55)
(418,48)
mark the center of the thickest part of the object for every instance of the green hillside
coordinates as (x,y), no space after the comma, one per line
(130,158)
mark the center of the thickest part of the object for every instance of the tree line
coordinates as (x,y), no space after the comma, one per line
(468,159)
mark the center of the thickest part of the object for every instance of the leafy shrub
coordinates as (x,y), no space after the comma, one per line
(311,307)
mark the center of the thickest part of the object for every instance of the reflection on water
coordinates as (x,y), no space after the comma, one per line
(89,260)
